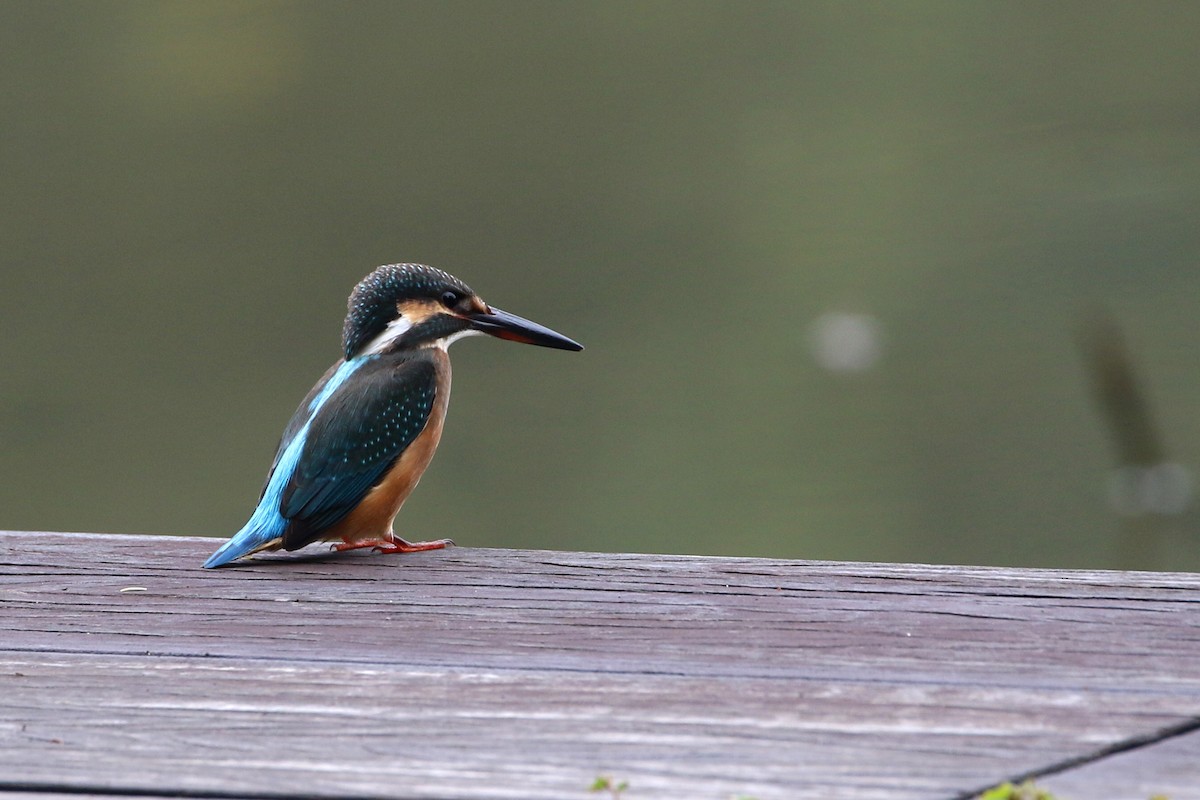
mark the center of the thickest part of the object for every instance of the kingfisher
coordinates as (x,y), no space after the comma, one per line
(360,440)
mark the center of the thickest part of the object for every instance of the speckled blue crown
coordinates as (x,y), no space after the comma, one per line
(372,304)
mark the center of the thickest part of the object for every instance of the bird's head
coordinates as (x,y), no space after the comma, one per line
(405,306)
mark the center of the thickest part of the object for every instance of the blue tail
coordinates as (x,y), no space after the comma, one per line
(265,525)
(254,536)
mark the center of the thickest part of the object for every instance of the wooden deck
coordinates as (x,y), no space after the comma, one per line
(125,670)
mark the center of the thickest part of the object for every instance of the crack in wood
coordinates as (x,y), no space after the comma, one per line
(1124,746)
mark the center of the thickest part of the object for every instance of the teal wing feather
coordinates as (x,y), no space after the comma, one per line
(353,440)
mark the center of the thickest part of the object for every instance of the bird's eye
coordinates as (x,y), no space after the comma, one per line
(450,299)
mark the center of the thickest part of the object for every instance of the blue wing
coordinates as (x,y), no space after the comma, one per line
(347,432)
(354,439)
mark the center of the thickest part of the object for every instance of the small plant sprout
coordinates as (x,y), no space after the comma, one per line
(1007,791)
(605,783)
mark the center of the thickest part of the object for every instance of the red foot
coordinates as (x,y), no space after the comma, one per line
(394,545)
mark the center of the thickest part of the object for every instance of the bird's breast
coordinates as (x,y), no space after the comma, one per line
(372,518)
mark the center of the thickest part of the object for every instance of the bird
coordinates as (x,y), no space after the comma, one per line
(360,440)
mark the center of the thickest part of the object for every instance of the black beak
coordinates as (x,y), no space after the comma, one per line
(504,325)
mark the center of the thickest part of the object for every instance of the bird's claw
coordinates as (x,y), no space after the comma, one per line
(394,545)
(398,545)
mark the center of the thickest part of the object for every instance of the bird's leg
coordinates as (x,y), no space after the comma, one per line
(398,545)
(393,544)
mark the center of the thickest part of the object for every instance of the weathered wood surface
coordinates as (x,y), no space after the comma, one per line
(477,673)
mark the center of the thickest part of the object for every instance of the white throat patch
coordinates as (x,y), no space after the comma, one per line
(446,341)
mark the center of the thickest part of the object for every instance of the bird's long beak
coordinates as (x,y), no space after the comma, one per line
(504,325)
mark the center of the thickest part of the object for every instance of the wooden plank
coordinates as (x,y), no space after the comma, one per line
(33,794)
(331,730)
(1169,768)
(502,674)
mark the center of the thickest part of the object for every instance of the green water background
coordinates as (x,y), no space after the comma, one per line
(188,191)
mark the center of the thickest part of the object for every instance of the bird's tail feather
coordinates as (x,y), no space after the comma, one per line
(250,539)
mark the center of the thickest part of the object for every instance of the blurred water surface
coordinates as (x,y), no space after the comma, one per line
(830,261)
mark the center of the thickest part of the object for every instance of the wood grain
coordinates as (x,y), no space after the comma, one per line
(472,673)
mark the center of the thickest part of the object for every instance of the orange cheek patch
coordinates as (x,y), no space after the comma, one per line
(417,311)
